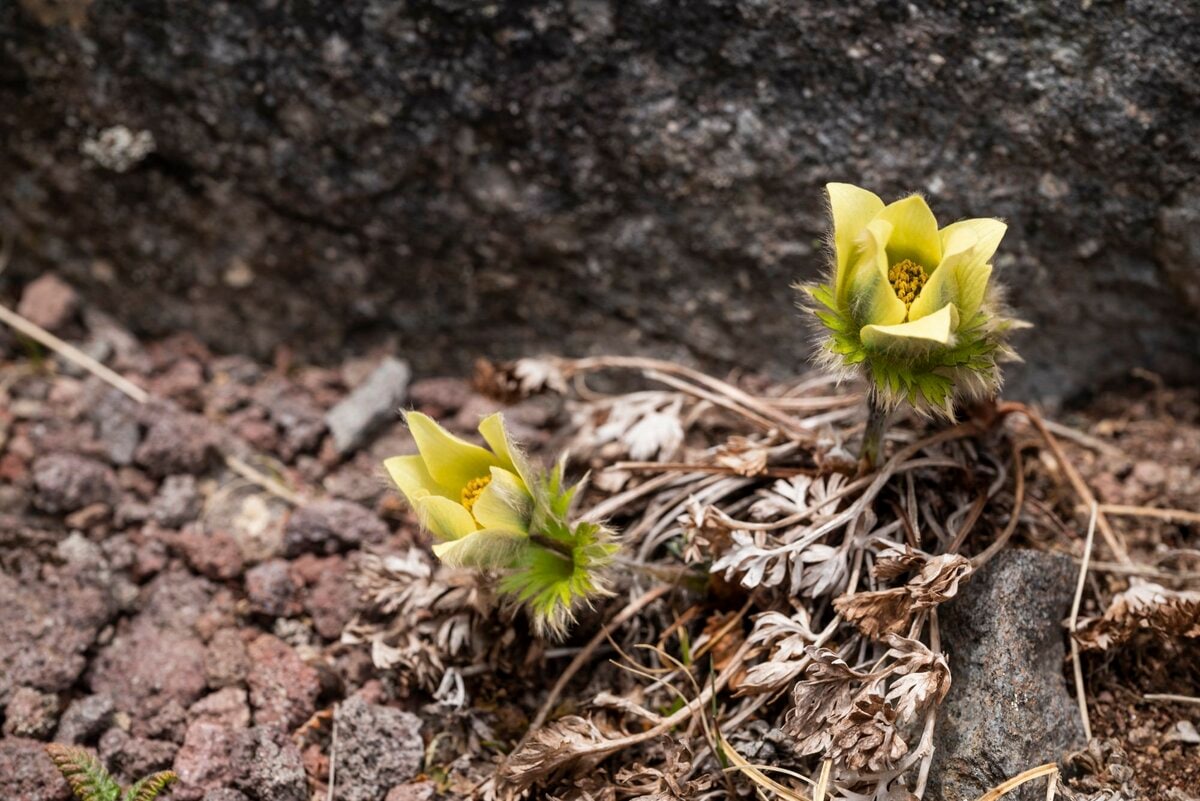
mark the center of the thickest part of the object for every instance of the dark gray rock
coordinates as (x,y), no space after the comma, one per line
(271,590)
(269,765)
(330,525)
(379,747)
(1008,708)
(67,482)
(225,794)
(115,416)
(176,442)
(130,758)
(178,501)
(474,178)
(84,719)
(373,403)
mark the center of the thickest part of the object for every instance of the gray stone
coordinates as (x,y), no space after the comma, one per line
(115,416)
(67,482)
(85,719)
(585,176)
(271,590)
(1008,707)
(225,794)
(379,747)
(178,501)
(370,405)
(330,525)
(130,758)
(269,765)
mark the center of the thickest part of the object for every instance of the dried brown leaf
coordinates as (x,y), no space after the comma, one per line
(889,611)
(562,747)
(1145,607)
(742,455)
(666,783)
(509,382)
(894,563)
(877,613)
(918,677)
(866,739)
(825,695)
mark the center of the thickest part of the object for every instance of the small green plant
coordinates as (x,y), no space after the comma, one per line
(908,306)
(91,782)
(491,509)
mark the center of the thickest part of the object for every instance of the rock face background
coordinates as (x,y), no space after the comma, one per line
(586,175)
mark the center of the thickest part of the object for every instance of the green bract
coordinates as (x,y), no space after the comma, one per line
(909,304)
(491,509)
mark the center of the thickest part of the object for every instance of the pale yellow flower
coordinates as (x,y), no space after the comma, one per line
(908,303)
(476,501)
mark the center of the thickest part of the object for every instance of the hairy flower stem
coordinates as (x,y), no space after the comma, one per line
(553,545)
(877,422)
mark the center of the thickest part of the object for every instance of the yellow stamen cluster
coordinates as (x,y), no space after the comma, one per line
(907,278)
(473,490)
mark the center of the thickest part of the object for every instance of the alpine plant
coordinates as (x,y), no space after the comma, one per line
(492,509)
(908,306)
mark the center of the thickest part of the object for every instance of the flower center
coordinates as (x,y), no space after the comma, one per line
(473,490)
(907,278)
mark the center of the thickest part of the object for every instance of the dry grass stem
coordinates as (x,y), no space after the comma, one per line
(1049,769)
(131,390)
(1073,624)
(1172,698)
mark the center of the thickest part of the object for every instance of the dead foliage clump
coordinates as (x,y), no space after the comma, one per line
(774,629)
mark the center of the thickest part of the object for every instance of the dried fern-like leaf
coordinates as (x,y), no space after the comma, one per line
(866,739)
(883,612)
(567,745)
(87,777)
(826,694)
(1146,607)
(148,788)
(919,677)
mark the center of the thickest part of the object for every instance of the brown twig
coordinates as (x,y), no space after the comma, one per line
(1111,538)
(684,467)
(1170,515)
(982,558)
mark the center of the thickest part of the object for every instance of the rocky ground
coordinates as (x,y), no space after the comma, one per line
(171,609)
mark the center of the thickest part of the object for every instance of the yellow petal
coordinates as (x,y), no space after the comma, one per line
(963,275)
(508,453)
(446,519)
(505,503)
(412,477)
(987,235)
(930,331)
(451,461)
(972,286)
(851,208)
(869,294)
(483,549)
(914,234)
